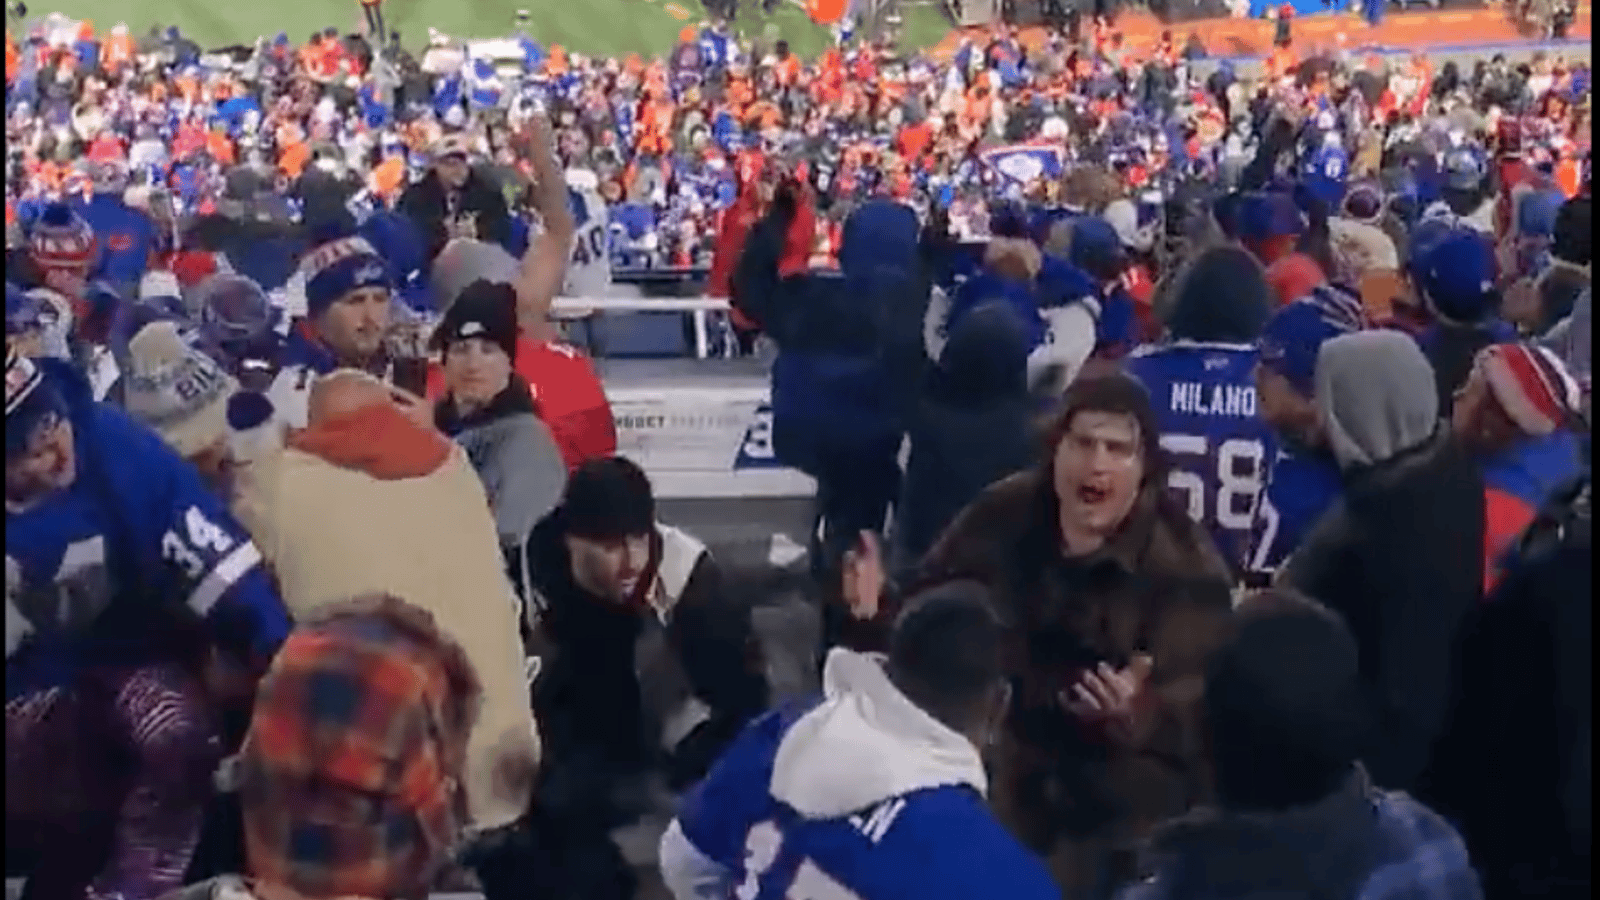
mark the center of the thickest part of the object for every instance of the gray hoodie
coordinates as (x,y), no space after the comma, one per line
(1375,395)
(1570,339)
(522,471)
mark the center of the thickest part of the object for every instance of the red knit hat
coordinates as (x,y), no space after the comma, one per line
(61,239)
(1531,384)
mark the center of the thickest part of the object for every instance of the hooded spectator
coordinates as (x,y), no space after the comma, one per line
(456,201)
(367,499)
(1304,479)
(1297,814)
(971,427)
(841,378)
(1400,556)
(1455,276)
(1516,414)
(1076,550)
(906,733)
(651,667)
(489,410)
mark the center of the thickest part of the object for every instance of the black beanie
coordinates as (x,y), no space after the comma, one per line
(1571,239)
(1284,703)
(484,310)
(607,500)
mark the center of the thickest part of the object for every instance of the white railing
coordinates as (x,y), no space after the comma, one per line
(698,309)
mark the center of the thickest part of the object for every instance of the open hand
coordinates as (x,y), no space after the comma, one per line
(863,577)
(1114,697)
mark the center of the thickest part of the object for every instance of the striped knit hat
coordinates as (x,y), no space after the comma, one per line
(61,239)
(30,399)
(1531,384)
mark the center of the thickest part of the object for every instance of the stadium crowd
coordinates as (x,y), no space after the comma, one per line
(1202,472)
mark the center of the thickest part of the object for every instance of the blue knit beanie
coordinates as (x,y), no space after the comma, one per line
(338,267)
(1295,333)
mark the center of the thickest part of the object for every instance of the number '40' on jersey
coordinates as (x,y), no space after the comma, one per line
(1218,446)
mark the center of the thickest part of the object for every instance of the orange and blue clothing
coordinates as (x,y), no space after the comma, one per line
(1517,483)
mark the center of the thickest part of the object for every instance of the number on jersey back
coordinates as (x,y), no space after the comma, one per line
(1218,446)
(769,873)
(589,270)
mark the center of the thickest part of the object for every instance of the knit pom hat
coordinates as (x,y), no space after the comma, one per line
(30,399)
(176,389)
(61,239)
(1531,384)
(1294,335)
(338,267)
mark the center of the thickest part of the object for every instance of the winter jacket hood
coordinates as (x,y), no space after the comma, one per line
(1374,390)
(867,743)
(378,440)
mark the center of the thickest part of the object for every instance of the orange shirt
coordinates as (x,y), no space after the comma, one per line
(117,52)
(292,159)
(388,178)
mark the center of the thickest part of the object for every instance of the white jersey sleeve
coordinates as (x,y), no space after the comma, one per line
(589,267)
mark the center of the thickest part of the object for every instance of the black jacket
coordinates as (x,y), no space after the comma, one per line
(1401,557)
(970,428)
(1516,764)
(589,698)
(424,203)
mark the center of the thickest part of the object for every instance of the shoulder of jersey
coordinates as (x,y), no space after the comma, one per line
(971,854)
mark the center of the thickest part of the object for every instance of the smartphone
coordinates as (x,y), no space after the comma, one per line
(410,374)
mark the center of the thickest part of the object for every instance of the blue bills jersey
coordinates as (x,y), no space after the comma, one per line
(1204,396)
(937,843)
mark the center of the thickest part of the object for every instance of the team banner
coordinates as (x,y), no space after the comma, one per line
(1024,164)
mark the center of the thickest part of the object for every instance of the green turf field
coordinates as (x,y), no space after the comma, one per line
(586,26)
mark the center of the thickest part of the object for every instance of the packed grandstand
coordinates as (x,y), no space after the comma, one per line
(712,353)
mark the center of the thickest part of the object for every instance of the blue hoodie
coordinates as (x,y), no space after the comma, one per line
(135,529)
(1057,284)
(124,239)
(839,383)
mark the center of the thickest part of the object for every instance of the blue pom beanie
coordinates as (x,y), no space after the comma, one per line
(339,267)
(1294,335)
